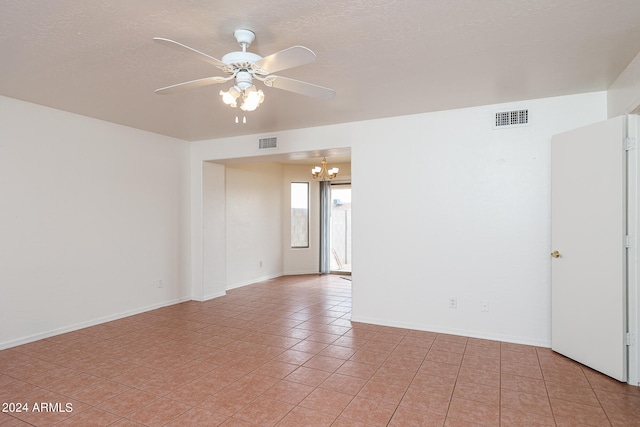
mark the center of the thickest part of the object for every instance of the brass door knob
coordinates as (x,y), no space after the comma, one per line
(555,254)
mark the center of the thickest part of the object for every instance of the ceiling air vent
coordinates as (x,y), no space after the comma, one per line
(513,118)
(267,143)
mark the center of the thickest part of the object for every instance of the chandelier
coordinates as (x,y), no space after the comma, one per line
(322,172)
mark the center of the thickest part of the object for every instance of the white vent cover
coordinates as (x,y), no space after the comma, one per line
(511,118)
(266,143)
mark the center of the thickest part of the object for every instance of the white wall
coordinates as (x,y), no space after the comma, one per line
(214,233)
(623,96)
(92,216)
(253,222)
(471,208)
(445,206)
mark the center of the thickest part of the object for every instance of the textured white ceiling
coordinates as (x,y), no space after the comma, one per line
(383,57)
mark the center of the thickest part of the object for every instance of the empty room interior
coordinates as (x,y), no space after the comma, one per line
(463,253)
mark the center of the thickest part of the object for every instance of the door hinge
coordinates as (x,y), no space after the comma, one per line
(630,339)
(629,143)
(627,241)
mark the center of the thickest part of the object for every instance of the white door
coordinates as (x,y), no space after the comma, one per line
(588,225)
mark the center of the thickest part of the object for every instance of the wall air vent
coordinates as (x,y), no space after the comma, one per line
(268,143)
(508,119)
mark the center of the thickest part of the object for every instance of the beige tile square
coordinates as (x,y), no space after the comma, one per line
(513,418)
(127,402)
(381,390)
(324,363)
(308,376)
(357,369)
(369,412)
(477,392)
(404,417)
(425,401)
(288,392)
(470,411)
(573,393)
(525,402)
(523,384)
(91,417)
(159,412)
(264,411)
(344,384)
(328,401)
(578,413)
(227,401)
(432,383)
(439,369)
(300,416)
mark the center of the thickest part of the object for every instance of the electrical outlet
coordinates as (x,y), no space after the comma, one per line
(159,283)
(484,305)
(453,302)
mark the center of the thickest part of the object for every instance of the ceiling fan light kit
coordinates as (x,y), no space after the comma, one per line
(243,67)
(252,99)
(230,97)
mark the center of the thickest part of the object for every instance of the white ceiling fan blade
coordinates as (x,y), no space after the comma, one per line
(303,88)
(288,58)
(192,85)
(196,53)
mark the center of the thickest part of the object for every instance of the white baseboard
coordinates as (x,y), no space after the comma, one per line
(253,281)
(301,272)
(210,296)
(454,331)
(94,322)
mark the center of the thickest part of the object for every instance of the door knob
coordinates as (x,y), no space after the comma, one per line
(555,254)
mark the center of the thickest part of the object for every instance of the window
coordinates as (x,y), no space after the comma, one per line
(299,214)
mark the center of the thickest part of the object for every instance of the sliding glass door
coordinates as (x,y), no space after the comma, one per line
(340,228)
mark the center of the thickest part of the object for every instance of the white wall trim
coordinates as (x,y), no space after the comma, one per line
(94,322)
(633,223)
(254,281)
(210,296)
(452,331)
(301,272)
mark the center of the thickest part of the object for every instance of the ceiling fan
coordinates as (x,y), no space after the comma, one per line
(243,67)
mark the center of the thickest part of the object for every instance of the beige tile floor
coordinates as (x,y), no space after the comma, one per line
(284,353)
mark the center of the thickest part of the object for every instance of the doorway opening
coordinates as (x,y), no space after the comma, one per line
(340,234)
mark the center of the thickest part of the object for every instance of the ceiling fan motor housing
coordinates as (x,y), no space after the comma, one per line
(244,80)
(241,59)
